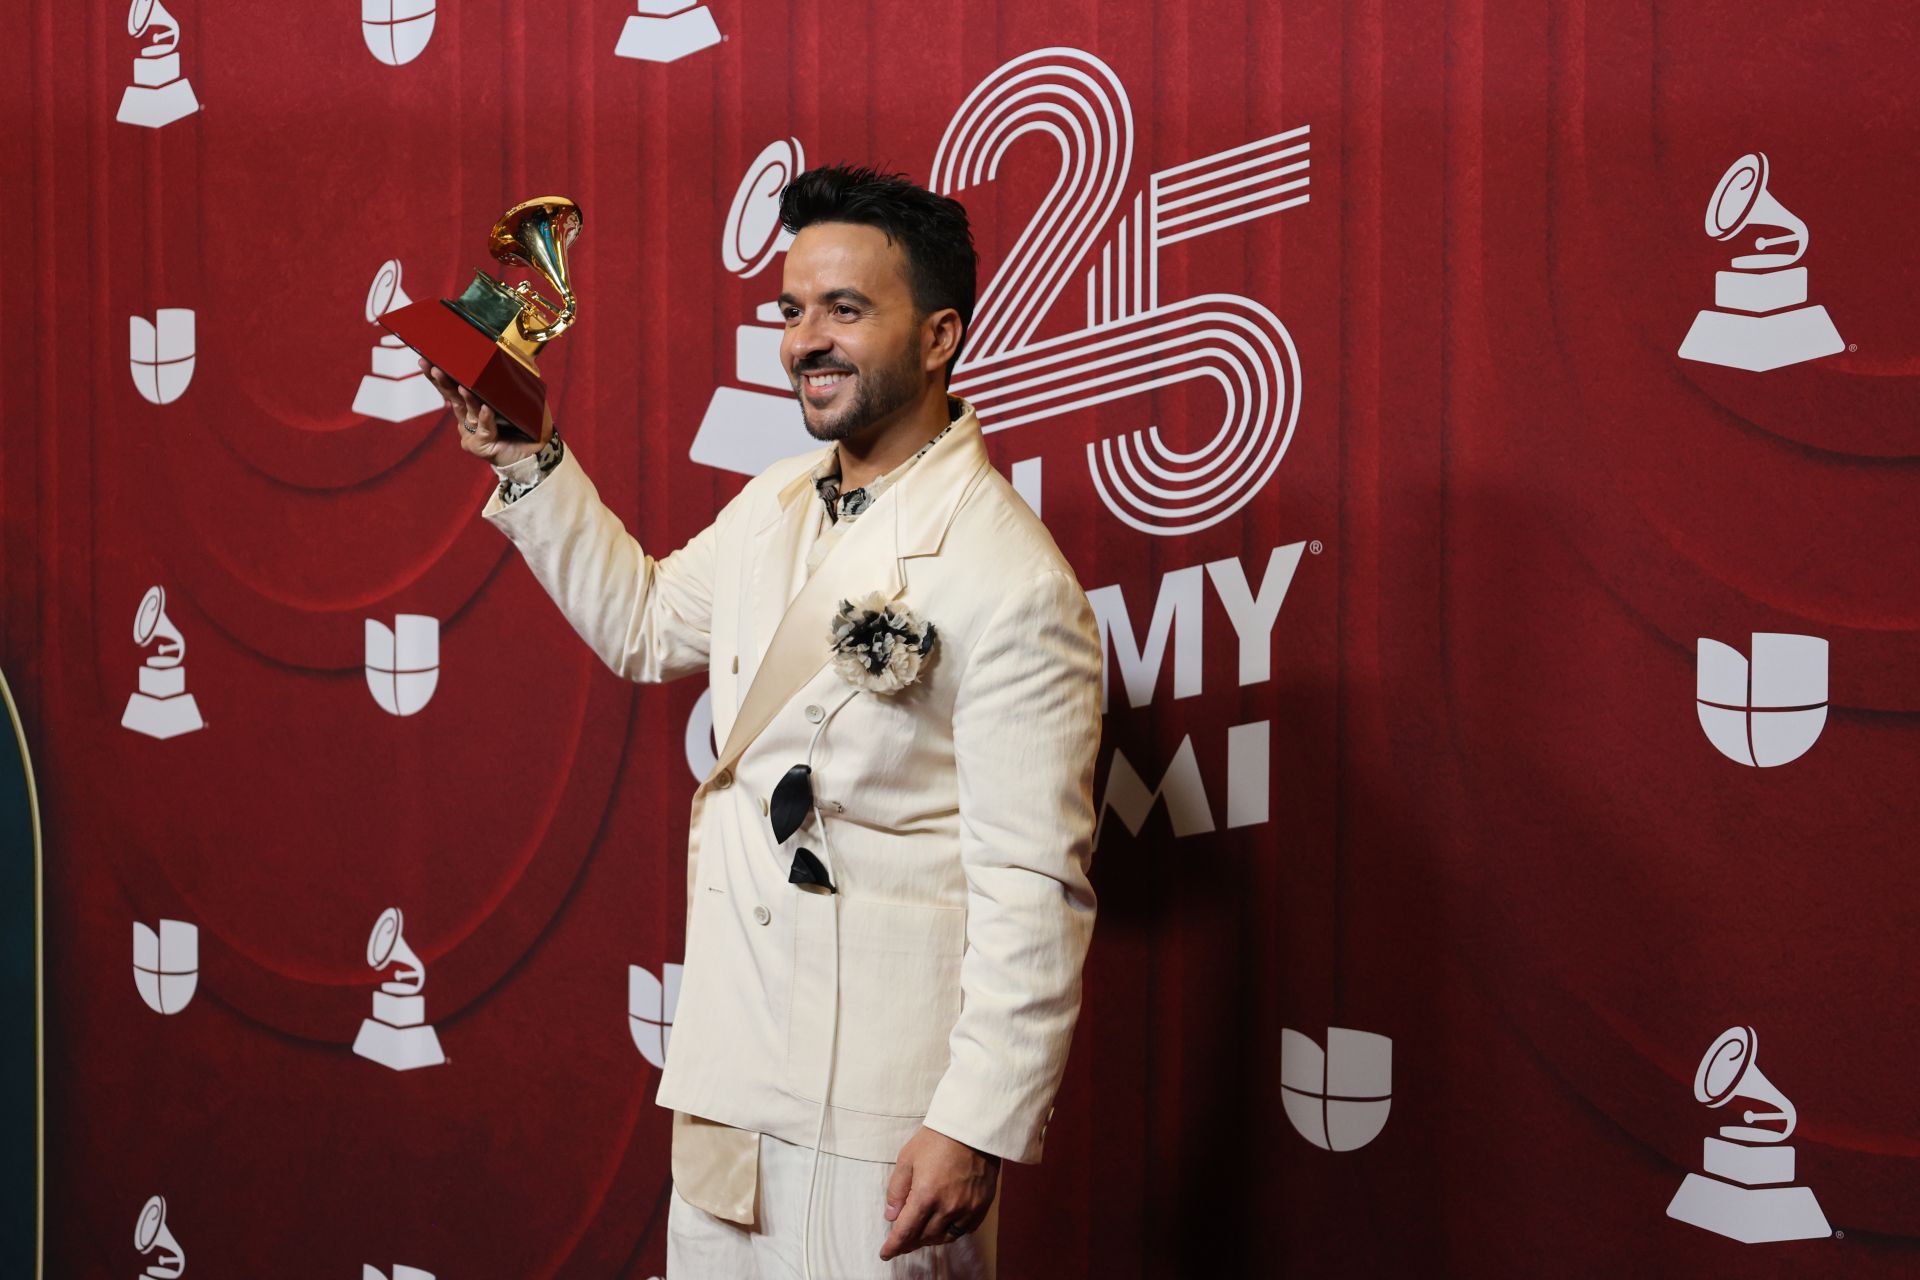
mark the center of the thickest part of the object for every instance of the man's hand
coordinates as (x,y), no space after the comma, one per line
(479,433)
(937,1184)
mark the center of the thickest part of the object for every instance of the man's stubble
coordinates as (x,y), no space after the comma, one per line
(877,394)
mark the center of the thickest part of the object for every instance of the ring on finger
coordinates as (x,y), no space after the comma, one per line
(955,1230)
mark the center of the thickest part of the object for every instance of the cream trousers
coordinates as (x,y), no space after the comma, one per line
(848,1228)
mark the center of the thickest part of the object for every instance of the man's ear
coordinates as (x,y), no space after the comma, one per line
(942,331)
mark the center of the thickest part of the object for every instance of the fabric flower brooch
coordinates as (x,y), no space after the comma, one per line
(879,646)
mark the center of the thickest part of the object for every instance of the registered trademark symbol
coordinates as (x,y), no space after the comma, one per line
(1315,547)
(1839,1235)
(1853,346)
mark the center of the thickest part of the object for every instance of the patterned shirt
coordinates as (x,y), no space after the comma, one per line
(849,505)
(843,509)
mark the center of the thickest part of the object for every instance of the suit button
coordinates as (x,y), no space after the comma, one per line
(761,915)
(814,713)
(736,664)
(763,806)
(722,780)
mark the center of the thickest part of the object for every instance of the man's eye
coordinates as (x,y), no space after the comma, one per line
(843,309)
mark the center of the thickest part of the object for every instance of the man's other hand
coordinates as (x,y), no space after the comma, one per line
(940,1190)
(479,432)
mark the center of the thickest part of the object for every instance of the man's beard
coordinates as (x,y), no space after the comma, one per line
(875,395)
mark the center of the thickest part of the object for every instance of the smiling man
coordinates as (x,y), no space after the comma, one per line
(888,902)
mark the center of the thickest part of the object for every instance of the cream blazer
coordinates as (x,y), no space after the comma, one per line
(959,810)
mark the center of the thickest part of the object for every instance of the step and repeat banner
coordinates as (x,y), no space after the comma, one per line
(1486,432)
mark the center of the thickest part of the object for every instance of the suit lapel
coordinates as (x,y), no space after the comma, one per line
(909,520)
(774,568)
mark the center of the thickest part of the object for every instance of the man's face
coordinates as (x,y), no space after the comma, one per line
(853,345)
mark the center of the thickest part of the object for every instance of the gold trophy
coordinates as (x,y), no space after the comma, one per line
(488,338)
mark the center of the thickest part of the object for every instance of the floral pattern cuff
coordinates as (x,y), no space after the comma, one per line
(517,479)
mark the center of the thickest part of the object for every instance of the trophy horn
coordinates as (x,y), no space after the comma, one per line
(489,338)
(535,234)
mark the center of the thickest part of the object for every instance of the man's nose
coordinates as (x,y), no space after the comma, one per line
(807,337)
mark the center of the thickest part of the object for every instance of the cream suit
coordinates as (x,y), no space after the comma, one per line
(959,810)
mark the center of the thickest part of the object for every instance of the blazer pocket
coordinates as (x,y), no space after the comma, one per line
(899,999)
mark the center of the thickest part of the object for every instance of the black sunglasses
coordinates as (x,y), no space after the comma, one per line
(792,800)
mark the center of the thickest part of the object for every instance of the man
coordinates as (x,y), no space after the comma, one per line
(888,904)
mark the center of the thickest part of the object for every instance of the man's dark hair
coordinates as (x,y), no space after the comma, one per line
(932,229)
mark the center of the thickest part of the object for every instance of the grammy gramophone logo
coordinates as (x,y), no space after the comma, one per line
(667,31)
(397,1035)
(395,389)
(1747,1191)
(159,94)
(1760,318)
(161,707)
(152,1238)
(748,428)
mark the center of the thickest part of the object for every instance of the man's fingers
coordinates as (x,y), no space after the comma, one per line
(935,1232)
(940,1228)
(897,1188)
(907,1228)
(474,419)
(484,439)
(454,394)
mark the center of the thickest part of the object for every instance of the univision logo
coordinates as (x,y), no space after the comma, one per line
(403,662)
(396,31)
(1337,1099)
(1767,711)
(160,353)
(166,964)
(651,1003)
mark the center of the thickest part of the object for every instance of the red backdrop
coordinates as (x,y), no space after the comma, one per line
(1487,825)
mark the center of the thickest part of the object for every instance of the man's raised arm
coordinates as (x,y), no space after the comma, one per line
(648,619)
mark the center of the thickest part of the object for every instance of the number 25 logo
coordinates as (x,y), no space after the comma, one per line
(1133,341)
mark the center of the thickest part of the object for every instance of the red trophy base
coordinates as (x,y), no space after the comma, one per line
(477,362)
